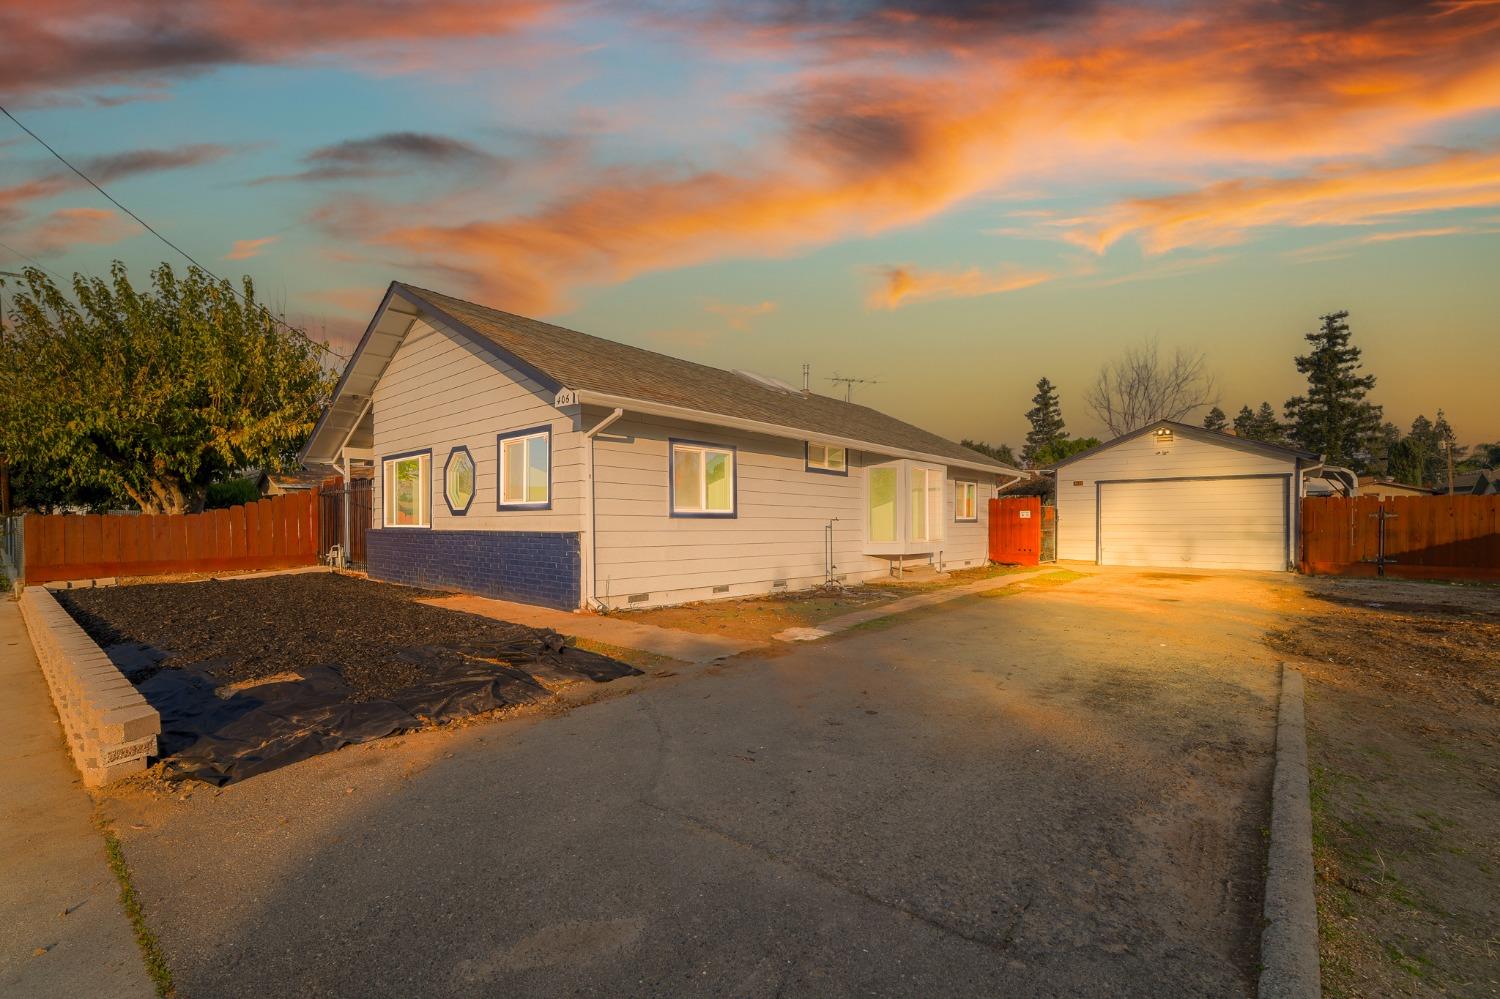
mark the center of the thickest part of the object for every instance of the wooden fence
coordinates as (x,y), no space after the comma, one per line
(1415,537)
(276,533)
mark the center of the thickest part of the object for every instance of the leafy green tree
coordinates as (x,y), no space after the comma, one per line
(1001,453)
(1216,420)
(1059,450)
(1334,418)
(1481,456)
(1047,429)
(152,395)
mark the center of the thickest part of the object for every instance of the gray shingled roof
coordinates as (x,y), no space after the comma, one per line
(589,363)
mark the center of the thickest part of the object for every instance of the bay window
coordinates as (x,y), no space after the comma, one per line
(905,507)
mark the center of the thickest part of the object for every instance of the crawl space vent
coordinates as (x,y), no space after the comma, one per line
(638,598)
(722,588)
(778,584)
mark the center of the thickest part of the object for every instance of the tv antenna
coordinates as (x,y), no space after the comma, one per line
(849,384)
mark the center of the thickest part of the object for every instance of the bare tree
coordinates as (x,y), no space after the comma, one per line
(1142,386)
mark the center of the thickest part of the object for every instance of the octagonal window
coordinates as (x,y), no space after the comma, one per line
(458,481)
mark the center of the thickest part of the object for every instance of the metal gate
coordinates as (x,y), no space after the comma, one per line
(331,518)
(1049,534)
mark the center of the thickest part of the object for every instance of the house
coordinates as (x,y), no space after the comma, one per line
(1480,482)
(1374,485)
(1180,496)
(526,461)
(281,483)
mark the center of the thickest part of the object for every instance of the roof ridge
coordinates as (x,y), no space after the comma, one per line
(631,346)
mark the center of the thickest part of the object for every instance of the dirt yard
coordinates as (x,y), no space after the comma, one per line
(256,673)
(1403,716)
(759,618)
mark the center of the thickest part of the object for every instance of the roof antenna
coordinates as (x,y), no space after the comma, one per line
(849,384)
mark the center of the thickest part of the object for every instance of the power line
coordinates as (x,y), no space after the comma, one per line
(147,226)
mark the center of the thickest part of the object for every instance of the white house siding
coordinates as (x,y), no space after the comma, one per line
(779,533)
(1144,458)
(441,391)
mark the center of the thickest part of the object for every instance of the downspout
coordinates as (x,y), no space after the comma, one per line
(591,550)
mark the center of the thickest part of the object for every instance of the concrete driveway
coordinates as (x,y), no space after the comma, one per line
(1059,792)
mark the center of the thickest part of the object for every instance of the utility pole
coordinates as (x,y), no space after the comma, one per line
(849,384)
(1448,446)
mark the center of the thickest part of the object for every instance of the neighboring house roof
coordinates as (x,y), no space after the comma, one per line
(559,358)
(1198,433)
(1480,481)
(1377,482)
(291,481)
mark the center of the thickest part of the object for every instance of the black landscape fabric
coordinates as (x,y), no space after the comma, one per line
(250,675)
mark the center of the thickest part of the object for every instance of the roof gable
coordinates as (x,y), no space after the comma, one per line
(1197,433)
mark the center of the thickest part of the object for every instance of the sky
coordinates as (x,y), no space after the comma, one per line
(948,199)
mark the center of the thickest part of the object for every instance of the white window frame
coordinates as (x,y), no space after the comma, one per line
(932,520)
(424,490)
(963,488)
(826,464)
(523,438)
(704,449)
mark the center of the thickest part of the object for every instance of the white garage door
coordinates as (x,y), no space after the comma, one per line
(1229,523)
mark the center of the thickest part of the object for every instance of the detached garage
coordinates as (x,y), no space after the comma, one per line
(1182,497)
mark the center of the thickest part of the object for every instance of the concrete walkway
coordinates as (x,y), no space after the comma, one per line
(670,642)
(62,932)
(844,622)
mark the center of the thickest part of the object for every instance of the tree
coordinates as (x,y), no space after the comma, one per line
(1059,450)
(1422,455)
(1141,387)
(153,395)
(1045,417)
(1216,420)
(1001,453)
(1334,418)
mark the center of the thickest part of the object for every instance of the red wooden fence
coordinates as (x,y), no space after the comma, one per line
(1016,530)
(275,533)
(1426,537)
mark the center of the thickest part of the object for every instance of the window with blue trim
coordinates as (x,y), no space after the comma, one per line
(827,458)
(526,469)
(702,480)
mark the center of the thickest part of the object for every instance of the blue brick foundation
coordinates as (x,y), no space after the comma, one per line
(534,567)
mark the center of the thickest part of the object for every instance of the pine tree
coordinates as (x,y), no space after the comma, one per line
(1046,420)
(1259,425)
(1001,452)
(1267,427)
(1216,420)
(1334,418)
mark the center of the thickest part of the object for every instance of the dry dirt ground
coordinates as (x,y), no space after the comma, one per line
(759,618)
(1403,711)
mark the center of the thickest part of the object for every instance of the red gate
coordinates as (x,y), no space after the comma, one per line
(1016,530)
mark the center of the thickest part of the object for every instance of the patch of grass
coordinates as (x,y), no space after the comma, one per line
(650,662)
(1413,964)
(130,901)
(1046,582)
(957,577)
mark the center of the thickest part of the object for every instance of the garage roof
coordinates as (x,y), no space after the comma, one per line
(1202,434)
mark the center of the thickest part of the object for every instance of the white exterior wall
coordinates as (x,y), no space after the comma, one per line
(778,533)
(441,391)
(1145,458)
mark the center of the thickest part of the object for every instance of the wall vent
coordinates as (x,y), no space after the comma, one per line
(722,588)
(638,598)
(778,584)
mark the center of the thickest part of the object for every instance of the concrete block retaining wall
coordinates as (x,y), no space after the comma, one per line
(109,726)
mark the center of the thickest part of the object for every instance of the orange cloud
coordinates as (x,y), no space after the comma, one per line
(900,286)
(68,227)
(1223,213)
(1138,91)
(244,249)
